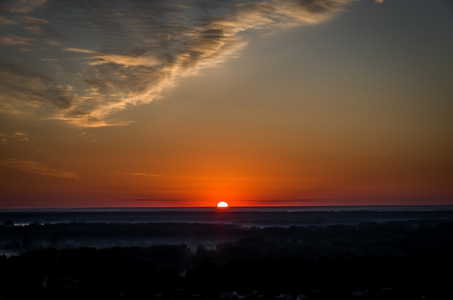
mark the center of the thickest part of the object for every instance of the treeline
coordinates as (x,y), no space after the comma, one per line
(335,241)
(255,268)
(370,261)
(89,273)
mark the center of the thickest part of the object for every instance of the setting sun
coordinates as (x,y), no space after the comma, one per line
(222,204)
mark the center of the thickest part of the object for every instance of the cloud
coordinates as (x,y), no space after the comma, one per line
(139,174)
(19,85)
(5,21)
(123,60)
(53,43)
(22,6)
(16,136)
(287,202)
(28,19)
(79,50)
(14,40)
(36,168)
(141,48)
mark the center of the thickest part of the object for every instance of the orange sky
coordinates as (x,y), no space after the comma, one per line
(325,102)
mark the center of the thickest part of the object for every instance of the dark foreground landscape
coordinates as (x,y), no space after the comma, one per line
(394,259)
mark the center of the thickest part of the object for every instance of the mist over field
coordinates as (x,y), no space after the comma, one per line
(348,254)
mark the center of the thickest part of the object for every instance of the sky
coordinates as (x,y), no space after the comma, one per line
(187,103)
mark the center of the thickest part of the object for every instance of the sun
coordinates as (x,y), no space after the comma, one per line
(222,204)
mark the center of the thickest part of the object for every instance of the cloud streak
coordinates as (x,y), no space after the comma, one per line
(79,50)
(22,86)
(6,21)
(141,48)
(16,136)
(139,174)
(22,6)
(36,168)
(13,40)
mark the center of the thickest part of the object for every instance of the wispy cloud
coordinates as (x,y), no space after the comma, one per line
(20,85)
(22,6)
(141,48)
(32,20)
(36,168)
(6,21)
(124,60)
(79,50)
(14,40)
(139,174)
(16,136)
(287,202)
